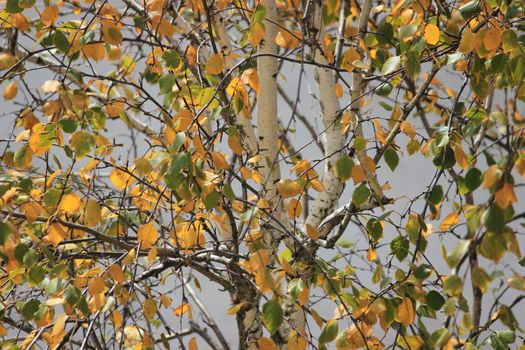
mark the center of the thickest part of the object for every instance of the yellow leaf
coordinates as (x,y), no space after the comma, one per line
(91,212)
(215,64)
(10,91)
(236,308)
(296,341)
(142,166)
(70,203)
(505,196)
(149,308)
(288,188)
(259,260)
(192,344)
(466,44)
(408,129)
(266,344)
(59,325)
(256,33)
(451,220)
(349,57)
(431,34)
(288,39)
(56,233)
(405,312)
(189,235)
(250,77)
(147,235)
(120,179)
(31,211)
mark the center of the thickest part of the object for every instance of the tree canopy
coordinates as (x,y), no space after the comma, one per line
(345,173)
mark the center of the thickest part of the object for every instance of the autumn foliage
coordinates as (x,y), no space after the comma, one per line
(346,174)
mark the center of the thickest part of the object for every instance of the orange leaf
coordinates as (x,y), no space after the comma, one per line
(492,38)
(49,15)
(288,39)
(505,196)
(215,64)
(182,309)
(405,312)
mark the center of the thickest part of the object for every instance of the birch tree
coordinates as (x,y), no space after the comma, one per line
(346,173)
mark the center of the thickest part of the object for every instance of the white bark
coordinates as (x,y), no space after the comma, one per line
(358,87)
(334,140)
(267,121)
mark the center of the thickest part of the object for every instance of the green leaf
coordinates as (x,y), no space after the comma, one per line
(30,308)
(436,195)
(171,59)
(509,40)
(439,337)
(472,181)
(507,336)
(422,271)
(82,142)
(5,232)
(458,252)
(391,65)
(166,83)
(72,295)
(494,219)
(272,315)
(453,285)
(60,41)
(211,200)
(391,158)
(12,6)
(399,247)
(360,194)
(329,332)
(434,300)
(445,159)
(375,229)
(480,278)
(36,274)
(295,287)
(343,168)
(68,125)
